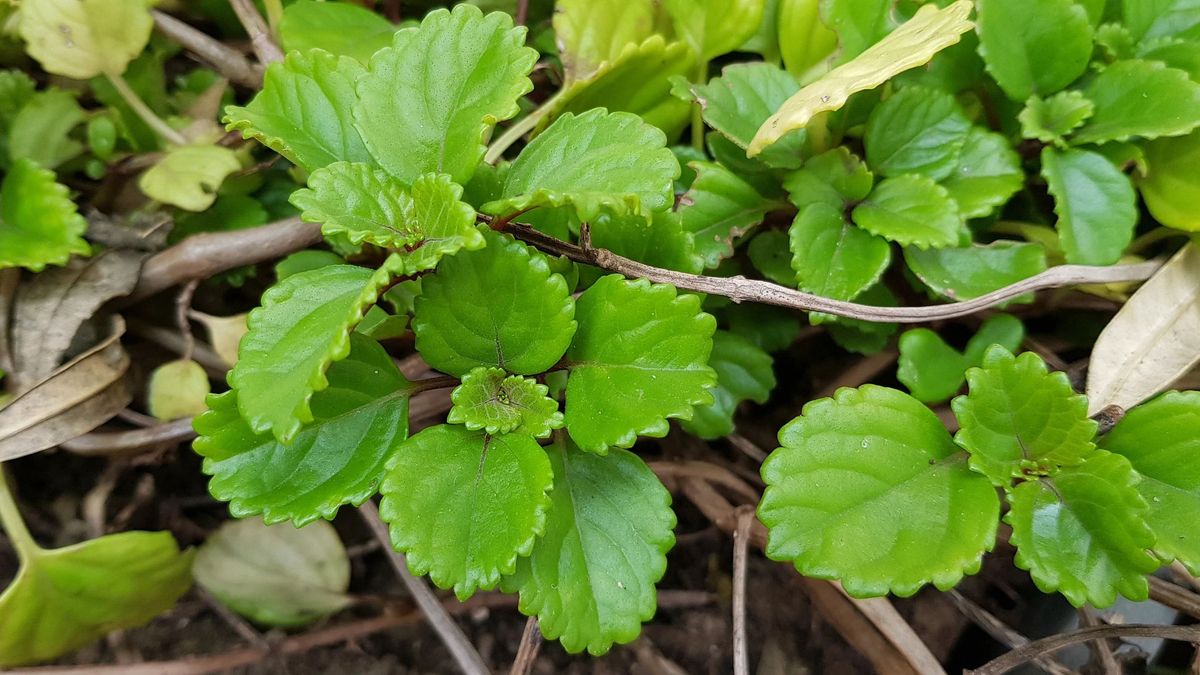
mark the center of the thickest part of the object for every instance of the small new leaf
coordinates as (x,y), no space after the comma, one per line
(1051,119)
(498,403)
(744,373)
(85,38)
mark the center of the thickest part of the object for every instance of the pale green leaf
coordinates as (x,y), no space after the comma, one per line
(910,210)
(719,209)
(715,27)
(1174,53)
(744,373)
(1171,186)
(848,466)
(1161,18)
(969,272)
(1051,119)
(189,176)
(85,38)
(177,389)
(916,130)
(498,403)
(39,225)
(303,110)
(1082,532)
(590,577)
(1095,203)
(837,178)
(1034,47)
(1020,421)
(805,41)
(342,28)
(988,173)
(833,258)
(463,505)
(40,131)
(592,33)
(640,357)
(460,72)
(1143,99)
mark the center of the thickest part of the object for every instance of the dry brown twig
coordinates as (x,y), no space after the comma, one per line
(224,59)
(1002,632)
(527,652)
(1053,643)
(260,35)
(741,542)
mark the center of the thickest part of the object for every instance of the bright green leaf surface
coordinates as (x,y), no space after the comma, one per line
(498,306)
(804,39)
(342,28)
(662,242)
(498,403)
(1001,329)
(858,23)
(847,467)
(189,176)
(972,271)
(337,459)
(85,38)
(1161,18)
(719,209)
(910,210)
(463,505)
(1020,420)
(39,225)
(590,577)
(40,130)
(640,357)
(987,174)
(1171,186)
(459,74)
(1081,532)
(837,178)
(1034,46)
(591,33)
(1162,441)
(832,257)
(744,373)
(715,27)
(1095,203)
(916,130)
(931,369)
(1050,119)
(1142,99)
(303,110)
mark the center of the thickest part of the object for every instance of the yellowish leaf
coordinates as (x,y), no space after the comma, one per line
(177,389)
(913,44)
(85,38)
(224,334)
(188,176)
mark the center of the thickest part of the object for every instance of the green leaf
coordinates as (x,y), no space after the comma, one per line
(640,357)
(590,577)
(1159,18)
(498,306)
(1174,53)
(744,373)
(1034,47)
(1081,532)
(1051,119)
(177,389)
(988,173)
(304,261)
(342,28)
(593,33)
(833,258)
(719,209)
(277,576)
(39,225)
(303,326)
(16,89)
(1143,99)
(969,272)
(910,210)
(662,242)
(40,131)
(463,505)
(337,459)
(916,130)
(1171,186)
(847,466)
(1001,329)
(931,369)
(1020,421)
(858,23)
(715,27)
(768,252)
(62,599)
(805,41)
(1095,203)
(303,110)
(189,176)
(85,38)
(773,329)
(1159,439)
(837,178)
(499,403)
(454,102)
(912,44)
(592,162)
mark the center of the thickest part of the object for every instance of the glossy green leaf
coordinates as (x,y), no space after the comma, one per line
(1082,532)
(916,130)
(1019,420)
(1171,185)
(64,598)
(1034,46)
(932,370)
(336,459)
(1051,119)
(277,576)
(744,373)
(1142,99)
(498,403)
(769,254)
(1095,203)
(858,23)
(1159,439)
(498,306)
(463,505)
(303,110)
(303,326)
(1161,18)
(591,33)
(910,210)
(189,176)
(662,242)
(85,38)
(590,577)
(39,225)
(804,39)
(719,209)
(833,258)
(847,466)
(988,173)
(715,27)
(40,131)
(1174,53)
(975,270)
(592,162)
(1000,329)
(773,329)
(342,28)
(837,178)
(640,357)
(452,102)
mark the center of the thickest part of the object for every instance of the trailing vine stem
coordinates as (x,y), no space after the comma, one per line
(143,111)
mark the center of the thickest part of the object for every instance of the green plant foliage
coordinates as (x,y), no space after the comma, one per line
(1051,119)
(39,225)
(1081,532)
(1161,18)
(846,467)
(1020,420)
(744,373)
(1159,439)
(464,505)
(719,209)
(342,28)
(971,271)
(499,306)
(715,27)
(858,23)
(85,38)
(589,578)
(804,39)
(188,176)
(1140,98)
(1034,47)
(336,459)
(40,130)
(64,598)
(987,175)
(499,403)
(832,257)
(661,242)
(837,178)
(1171,185)
(593,33)
(934,371)
(1095,203)
(640,356)
(476,89)
(911,210)
(917,130)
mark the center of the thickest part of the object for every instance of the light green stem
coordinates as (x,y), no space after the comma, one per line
(274,15)
(701,77)
(523,126)
(143,111)
(1153,237)
(13,524)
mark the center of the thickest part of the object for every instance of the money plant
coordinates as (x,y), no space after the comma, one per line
(613,222)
